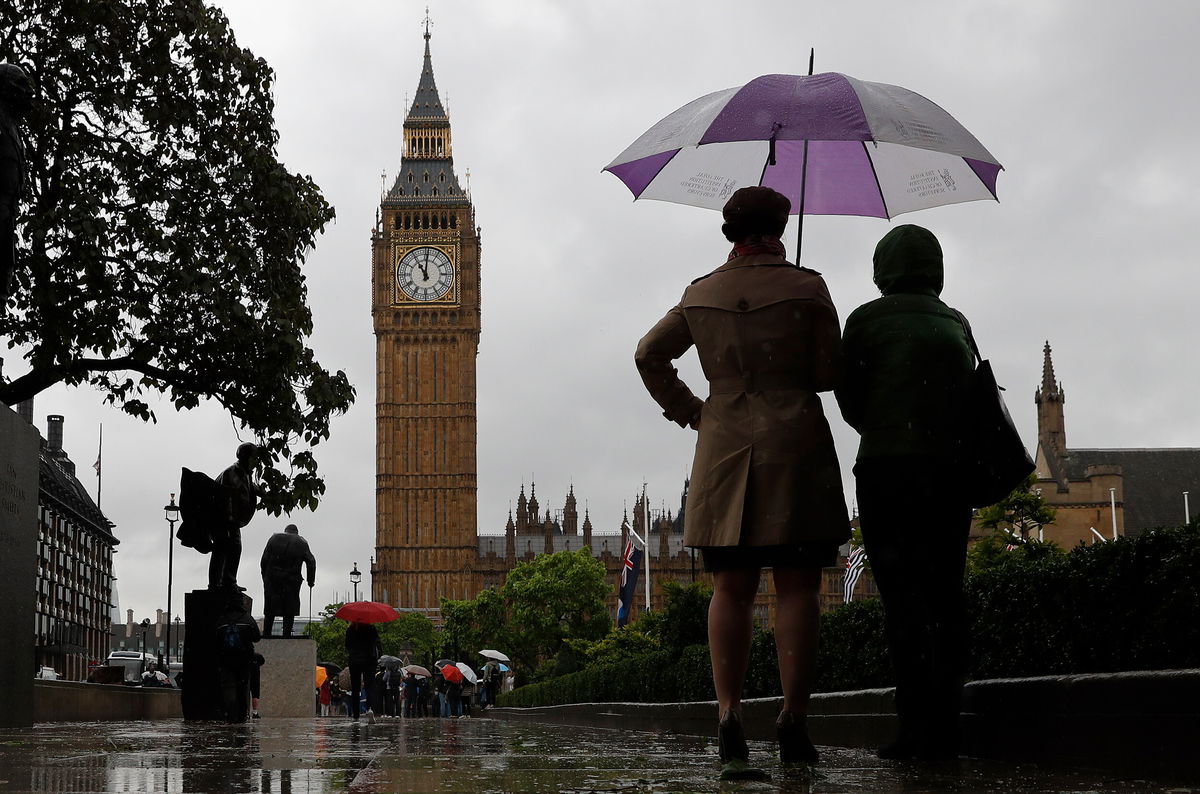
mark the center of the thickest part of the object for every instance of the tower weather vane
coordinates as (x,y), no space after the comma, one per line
(427,21)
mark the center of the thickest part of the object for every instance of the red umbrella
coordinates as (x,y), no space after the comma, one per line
(452,674)
(366,612)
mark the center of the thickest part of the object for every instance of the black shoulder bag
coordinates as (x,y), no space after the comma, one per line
(993,457)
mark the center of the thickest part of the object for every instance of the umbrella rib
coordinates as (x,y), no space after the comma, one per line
(875,176)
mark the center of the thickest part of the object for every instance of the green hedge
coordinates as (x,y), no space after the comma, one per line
(1130,604)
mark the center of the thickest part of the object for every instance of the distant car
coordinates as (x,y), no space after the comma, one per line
(46,674)
(134,663)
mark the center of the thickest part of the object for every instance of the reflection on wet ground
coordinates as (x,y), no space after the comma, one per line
(475,755)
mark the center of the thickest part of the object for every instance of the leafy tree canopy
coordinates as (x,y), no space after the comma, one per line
(412,631)
(683,620)
(470,626)
(160,238)
(330,636)
(1023,510)
(553,597)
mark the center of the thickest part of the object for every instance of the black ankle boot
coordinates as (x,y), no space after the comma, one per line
(731,738)
(794,744)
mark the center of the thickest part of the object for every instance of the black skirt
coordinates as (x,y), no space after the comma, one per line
(736,558)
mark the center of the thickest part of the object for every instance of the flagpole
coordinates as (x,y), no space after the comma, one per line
(646,542)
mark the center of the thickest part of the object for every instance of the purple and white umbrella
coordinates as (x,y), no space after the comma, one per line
(833,144)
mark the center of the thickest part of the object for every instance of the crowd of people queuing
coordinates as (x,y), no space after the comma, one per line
(403,690)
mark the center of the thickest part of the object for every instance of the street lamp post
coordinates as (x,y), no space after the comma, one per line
(172,515)
(355,578)
(178,645)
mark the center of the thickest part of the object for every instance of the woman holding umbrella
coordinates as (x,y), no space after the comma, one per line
(766,487)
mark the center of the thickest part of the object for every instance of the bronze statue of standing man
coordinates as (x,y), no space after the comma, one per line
(16,95)
(282,558)
(241,500)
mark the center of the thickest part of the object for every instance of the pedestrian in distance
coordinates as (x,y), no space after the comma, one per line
(256,663)
(235,637)
(907,366)
(766,487)
(363,650)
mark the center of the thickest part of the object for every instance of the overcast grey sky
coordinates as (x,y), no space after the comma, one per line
(1089,247)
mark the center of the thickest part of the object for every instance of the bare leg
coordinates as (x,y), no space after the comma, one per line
(730,626)
(796,622)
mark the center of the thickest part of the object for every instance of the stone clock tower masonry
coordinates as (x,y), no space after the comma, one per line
(425,305)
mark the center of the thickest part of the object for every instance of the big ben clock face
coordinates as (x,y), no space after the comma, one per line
(425,274)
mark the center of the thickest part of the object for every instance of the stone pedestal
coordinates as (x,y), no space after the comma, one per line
(288,677)
(202,697)
(18,564)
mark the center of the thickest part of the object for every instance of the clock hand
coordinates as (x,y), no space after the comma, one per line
(424,271)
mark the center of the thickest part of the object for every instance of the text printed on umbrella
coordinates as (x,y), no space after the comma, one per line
(709,186)
(929,183)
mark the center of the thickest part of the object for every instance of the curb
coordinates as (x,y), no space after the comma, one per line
(1142,723)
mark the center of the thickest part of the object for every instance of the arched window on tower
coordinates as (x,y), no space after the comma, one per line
(435,191)
(425,177)
(411,178)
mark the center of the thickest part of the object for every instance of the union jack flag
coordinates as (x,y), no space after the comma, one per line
(854,568)
(630,566)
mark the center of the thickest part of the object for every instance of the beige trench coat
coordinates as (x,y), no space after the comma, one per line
(765,471)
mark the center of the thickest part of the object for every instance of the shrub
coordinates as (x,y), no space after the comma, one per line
(1129,604)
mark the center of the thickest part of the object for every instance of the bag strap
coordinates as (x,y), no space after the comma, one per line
(970,336)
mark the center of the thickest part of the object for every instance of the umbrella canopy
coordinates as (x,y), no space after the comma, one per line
(504,668)
(833,144)
(452,674)
(322,676)
(332,667)
(417,669)
(366,612)
(440,663)
(467,672)
(390,661)
(489,653)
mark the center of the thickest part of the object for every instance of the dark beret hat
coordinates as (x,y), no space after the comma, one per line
(762,202)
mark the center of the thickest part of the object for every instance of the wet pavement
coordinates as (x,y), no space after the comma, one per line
(467,755)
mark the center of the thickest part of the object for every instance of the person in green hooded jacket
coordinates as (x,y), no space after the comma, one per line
(906,368)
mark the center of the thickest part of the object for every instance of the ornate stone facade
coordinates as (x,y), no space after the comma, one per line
(1102,493)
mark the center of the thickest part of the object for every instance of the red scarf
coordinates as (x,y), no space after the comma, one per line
(770,246)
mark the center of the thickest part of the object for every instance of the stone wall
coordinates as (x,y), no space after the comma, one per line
(74,701)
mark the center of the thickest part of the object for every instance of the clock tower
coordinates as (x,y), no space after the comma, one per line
(425,306)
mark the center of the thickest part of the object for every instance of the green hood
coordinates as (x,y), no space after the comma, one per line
(909,259)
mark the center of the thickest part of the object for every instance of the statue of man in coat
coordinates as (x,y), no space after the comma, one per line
(16,95)
(239,504)
(282,558)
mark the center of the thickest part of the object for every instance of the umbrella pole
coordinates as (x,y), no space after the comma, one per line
(812,53)
(800,213)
